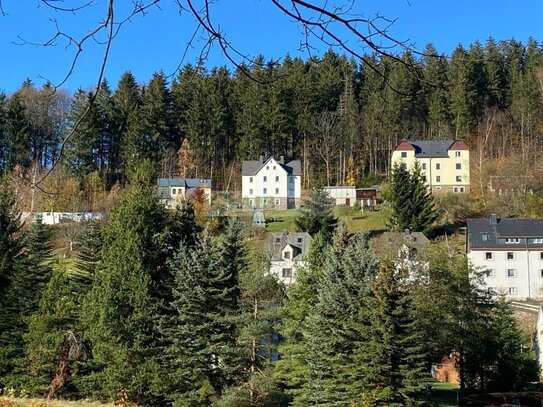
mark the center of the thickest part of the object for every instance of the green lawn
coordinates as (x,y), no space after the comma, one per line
(444,394)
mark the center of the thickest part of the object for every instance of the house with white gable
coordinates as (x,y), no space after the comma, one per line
(271,184)
(287,253)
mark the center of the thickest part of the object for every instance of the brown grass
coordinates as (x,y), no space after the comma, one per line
(19,402)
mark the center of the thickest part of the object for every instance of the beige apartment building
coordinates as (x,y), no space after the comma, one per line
(445,164)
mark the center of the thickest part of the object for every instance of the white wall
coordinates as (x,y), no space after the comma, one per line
(341,193)
(277,183)
(528,281)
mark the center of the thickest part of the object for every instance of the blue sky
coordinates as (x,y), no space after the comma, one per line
(157,40)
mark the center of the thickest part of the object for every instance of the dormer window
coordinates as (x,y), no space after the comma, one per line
(512,240)
(286,255)
(484,237)
(299,240)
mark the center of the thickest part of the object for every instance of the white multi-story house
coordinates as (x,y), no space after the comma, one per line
(173,191)
(271,183)
(510,252)
(287,252)
(445,164)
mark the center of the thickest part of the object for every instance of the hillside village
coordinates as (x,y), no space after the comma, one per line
(315,239)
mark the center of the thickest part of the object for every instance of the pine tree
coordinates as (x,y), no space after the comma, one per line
(412,205)
(317,214)
(90,251)
(17,134)
(28,283)
(393,365)
(202,353)
(335,325)
(123,306)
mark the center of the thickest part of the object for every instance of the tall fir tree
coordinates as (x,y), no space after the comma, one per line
(317,213)
(123,306)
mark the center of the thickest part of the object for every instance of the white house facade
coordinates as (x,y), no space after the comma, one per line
(173,191)
(287,252)
(510,252)
(271,184)
(342,194)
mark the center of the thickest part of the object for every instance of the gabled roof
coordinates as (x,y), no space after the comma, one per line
(432,148)
(293,167)
(184,182)
(276,243)
(501,228)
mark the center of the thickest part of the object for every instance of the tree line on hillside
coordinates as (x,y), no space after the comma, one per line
(342,119)
(160,311)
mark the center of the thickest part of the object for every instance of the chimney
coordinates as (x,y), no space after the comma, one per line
(493,219)
(261,159)
(282,159)
(406,232)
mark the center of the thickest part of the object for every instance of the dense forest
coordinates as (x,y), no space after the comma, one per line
(339,117)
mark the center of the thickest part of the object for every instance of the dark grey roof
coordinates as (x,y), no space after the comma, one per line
(276,242)
(523,229)
(184,182)
(293,167)
(434,149)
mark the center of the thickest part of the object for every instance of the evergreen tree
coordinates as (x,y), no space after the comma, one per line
(122,308)
(28,283)
(412,205)
(202,352)
(10,252)
(17,134)
(317,213)
(90,251)
(394,362)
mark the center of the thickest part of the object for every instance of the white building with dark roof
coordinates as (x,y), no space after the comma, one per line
(287,253)
(271,183)
(510,252)
(445,164)
(173,191)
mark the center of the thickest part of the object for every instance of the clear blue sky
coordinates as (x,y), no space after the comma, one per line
(157,40)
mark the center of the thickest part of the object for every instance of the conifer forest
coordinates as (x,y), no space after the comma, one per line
(158,307)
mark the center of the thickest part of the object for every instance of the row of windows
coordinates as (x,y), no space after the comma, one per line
(512,240)
(265,179)
(508,255)
(264,191)
(490,273)
(404,154)
(438,166)
(458,178)
(265,202)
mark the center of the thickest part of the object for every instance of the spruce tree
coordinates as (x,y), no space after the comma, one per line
(202,353)
(317,213)
(123,306)
(411,204)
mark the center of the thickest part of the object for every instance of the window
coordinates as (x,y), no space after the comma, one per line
(277,240)
(286,255)
(267,167)
(286,273)
(250,179)
(512,291)
(438,188)
(265,190)
(535,240)
(458,178)
(510,256)
(174,191)
(540,255)
(423,166)
(265,178)
(291,180)
(458,166)
(489,256)
(511,273)
(265,201)
(457,153)
(455,189)
(462,189)
(484,237)
(277,201)
(404,154)
(276,190)
(512,240)
(250,192)
(299,240)
(490,273)
(541,273)
(438,166)
(274,167)
(277,178)
(251,203)
(438,178)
